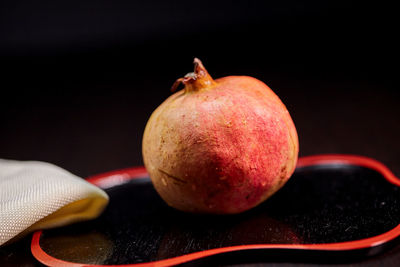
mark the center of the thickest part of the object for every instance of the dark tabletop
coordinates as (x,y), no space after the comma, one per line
(81,99)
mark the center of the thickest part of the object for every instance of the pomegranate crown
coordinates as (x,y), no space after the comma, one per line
(194,81)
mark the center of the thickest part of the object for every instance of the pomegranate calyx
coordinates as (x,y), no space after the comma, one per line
(197,80)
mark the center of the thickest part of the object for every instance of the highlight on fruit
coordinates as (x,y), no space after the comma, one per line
(219,146)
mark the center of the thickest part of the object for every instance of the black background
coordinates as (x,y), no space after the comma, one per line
(79,79)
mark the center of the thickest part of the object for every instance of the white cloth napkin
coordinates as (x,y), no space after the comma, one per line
(38,195)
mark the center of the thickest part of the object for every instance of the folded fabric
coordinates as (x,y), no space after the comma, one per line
(38,195)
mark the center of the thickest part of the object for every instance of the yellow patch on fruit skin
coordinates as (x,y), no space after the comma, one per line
(228,124)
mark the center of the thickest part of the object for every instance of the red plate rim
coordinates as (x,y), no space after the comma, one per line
(116,177)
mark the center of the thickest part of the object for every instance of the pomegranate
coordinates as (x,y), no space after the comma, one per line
(219,146)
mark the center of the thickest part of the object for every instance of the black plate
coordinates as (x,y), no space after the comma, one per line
(329,206)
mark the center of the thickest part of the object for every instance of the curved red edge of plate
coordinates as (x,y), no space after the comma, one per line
(115,177)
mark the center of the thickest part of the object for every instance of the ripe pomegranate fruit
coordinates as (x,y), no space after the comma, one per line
(219,146)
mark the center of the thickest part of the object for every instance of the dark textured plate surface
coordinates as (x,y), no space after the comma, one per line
(333,203)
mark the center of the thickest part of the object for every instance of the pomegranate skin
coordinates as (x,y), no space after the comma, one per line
(220,146)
